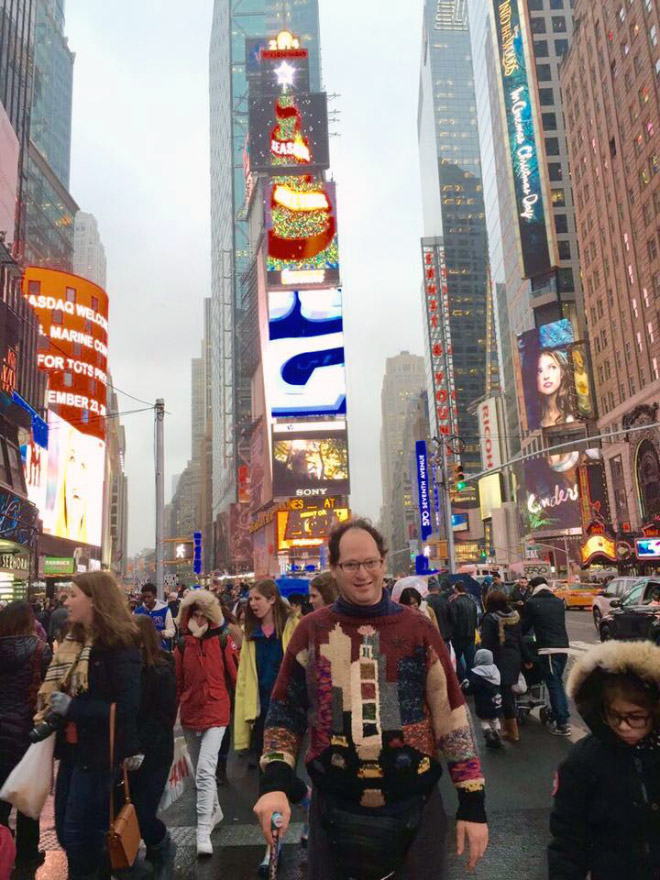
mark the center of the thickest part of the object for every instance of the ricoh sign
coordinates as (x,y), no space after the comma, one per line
(490,434)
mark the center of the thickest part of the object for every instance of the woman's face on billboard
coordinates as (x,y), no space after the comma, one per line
(75,488)
(548,375)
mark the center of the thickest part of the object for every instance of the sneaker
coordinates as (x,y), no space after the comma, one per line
(560,729)
(204,845)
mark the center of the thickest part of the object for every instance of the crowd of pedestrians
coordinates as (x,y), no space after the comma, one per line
(363,682)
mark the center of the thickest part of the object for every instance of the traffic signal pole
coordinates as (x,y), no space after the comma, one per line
(160,499)
(446,502)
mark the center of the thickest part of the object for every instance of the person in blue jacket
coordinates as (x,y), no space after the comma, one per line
(160,613)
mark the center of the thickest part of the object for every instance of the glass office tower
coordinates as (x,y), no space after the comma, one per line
(454,205)
(234,22)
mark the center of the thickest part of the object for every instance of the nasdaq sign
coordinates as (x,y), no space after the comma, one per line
(523,145)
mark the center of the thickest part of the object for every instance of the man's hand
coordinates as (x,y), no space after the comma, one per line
(275,802)
(477,836)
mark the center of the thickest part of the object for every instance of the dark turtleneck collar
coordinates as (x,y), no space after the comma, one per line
(380,609)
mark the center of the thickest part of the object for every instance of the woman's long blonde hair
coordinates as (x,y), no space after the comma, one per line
(113,624)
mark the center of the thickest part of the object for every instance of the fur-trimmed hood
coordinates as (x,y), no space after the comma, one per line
(641,659)
(206,602)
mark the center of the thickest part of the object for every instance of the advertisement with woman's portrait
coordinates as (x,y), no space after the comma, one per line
(555,380)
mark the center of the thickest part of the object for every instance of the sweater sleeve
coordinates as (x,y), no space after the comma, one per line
(286,723)
(567,851)
(453,730)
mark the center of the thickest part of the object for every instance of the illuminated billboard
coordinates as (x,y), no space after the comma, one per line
(66,482)
(553,368)
(310,464)
(305,370)
(525,159)
(648,548)
(73,345)
(307,528)
(301,225)
(552,493)
(289,133)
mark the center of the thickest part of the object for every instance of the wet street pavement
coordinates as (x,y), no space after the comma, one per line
(519,795)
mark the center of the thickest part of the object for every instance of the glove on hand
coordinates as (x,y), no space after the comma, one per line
(134,763)
(59,703)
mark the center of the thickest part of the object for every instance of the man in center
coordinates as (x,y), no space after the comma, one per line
(373,683)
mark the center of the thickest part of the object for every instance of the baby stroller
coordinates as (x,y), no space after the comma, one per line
(536,695)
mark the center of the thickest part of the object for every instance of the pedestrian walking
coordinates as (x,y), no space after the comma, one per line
(501,633)
(155,723)
(269,625)
(97,664)
(606,818)
(439,603)
(58,620)
(412,598)
(160,613)
(24,659)
(483,683)
(234,631)
(322,590)
(373,683)
(545,615)
(206,668)
(463,614)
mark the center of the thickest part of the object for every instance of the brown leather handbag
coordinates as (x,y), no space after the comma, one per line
(123,838)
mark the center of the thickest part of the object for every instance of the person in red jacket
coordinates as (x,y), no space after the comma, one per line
(206,663)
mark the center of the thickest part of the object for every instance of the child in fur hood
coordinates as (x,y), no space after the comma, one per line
(606,818)
(483,682)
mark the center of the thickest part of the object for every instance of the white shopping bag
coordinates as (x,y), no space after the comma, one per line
(29,783)
(181,775)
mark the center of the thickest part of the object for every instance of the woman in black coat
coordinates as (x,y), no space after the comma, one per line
(98,664)
(24,659)
(501,634)
(156,720)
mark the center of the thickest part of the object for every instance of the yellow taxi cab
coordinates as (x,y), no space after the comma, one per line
(577,595)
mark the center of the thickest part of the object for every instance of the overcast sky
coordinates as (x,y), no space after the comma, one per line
(140,160)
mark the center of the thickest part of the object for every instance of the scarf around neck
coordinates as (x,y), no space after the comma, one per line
(196,630)
(68,671)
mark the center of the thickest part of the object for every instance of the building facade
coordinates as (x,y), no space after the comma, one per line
(239,27)
(612,106)
(88,251)
(404,380)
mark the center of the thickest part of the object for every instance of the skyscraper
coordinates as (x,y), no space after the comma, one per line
(234,23)
(88,251)
(611,105)
(50,209)
(454,220)
(403,382)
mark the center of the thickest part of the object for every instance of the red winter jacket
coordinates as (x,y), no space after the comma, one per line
(201,680)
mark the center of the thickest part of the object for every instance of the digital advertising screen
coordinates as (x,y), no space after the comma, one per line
(301,224)
(310,464)
(552,370)
(289,133)
(65,482)
(73,346)
(648,548)
(524,154)
(305,362)
(552,492)
(307,528)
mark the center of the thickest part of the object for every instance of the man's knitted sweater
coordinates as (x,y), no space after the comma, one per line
(375,687)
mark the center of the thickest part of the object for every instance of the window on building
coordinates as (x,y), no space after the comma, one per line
(541,49)
(652,248)
(555,172)
(558,24)
(543,72)
(549,121)
(565,280)
(561,224)
(556,4)
(538,24)
(653,35)
(561,47)
(552,146)
(546,97)
(564,250)
(656,285)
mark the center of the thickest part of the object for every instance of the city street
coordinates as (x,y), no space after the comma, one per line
(519,785)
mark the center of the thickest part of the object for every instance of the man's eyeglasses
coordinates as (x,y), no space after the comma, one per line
(635,720)
(354,567)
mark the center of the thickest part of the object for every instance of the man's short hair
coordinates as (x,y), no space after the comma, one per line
(339,531)
(433,585)
(149,588)
(460,587)
(537,582)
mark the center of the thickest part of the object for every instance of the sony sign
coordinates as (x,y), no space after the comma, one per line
(490,433)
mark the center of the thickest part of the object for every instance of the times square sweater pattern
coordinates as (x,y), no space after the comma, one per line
(382,705)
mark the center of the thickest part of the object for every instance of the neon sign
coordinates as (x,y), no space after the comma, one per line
(423,488)
(523,145)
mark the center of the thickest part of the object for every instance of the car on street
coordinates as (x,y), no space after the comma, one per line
(617,588)
(635,617)
(577,595)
